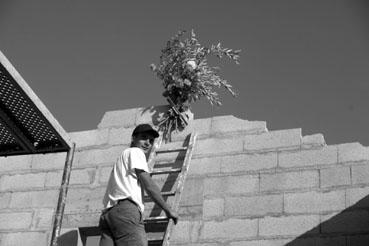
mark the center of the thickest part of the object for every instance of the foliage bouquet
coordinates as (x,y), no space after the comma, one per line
(187,77)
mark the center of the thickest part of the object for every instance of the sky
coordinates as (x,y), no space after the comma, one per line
(304,64)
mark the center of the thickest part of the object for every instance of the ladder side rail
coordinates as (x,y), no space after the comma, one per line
(180,186)
(152,155)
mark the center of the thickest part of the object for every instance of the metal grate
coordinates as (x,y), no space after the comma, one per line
(23,127)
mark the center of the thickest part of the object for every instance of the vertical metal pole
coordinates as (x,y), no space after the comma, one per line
(62,196)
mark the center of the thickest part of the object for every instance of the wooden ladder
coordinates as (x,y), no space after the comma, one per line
(174,172)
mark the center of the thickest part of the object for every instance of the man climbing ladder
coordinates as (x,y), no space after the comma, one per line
(121,221)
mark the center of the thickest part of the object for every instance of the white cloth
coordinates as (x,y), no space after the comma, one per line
(123,182)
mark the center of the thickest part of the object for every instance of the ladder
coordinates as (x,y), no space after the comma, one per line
(158,227)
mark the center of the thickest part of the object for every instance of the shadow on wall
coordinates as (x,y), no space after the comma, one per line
(348,228)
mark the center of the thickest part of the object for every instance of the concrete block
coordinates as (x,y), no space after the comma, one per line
(19,238)
(273,140)
(89,138)
(153,115)
(205,166)
(289,180)
(193,192)
(200,126)
(217,146)
(34,199)
(335,176)
(331,241)
(352,152)
(346,222)
(270,242)
(313,141)
(254,205)
(248,162)
(84,200)
(104,174)
(360,174)
(120,136)
(229,123)
(49,161)
(221,186)
(229,229)
(314,202)
(4,199)
(289,225)
(325,156)
(88,158)
(190,212)
(15,220)
(186,231)
(82,219)
(22,181)
(43,219)
(357,240)
(357,198)
(119,118)
(53,179)
(213,208)
(82,176)
(15,163)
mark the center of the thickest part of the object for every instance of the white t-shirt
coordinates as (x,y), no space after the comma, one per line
(123,182)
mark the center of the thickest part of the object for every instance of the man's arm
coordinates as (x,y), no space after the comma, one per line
(153,191)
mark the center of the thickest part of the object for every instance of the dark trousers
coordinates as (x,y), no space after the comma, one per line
(122,225)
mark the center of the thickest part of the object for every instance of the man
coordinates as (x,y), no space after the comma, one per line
(121,222)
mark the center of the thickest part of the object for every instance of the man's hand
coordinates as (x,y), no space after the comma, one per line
(172,215)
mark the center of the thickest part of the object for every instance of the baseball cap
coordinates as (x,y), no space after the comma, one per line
(145,128)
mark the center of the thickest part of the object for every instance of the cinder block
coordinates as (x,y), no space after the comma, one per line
(84,200)
(217,146)
(325,156)
(289,180)
(313,141)
(14,163)
(19,238)
(43,219)
(4,199)
(120,136)
(89,138)
(193,192)
(273,140)
(34,199)
(230,229)
(213,208)
(200,126)
(289,225)
(81,219)
(153,115)
(357,198)
(186,231)
(22,181)
(357,240)
(119,118)
(360,174)
(346,222)
(82,176)
(190,212)
(220,186)
(352,152)
(54,179)
(331,241)
(254,205)
(49,161)
(229,123)
(270,242)
(205,166)
(20,220)
(104,174)
(248,162)
(314,202)
(335,176)
(88,158)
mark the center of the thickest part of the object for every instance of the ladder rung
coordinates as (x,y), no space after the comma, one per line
(171,150)
(156,219)
(165,193)
(174,170)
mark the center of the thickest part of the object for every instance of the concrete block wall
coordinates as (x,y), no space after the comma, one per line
(246,186)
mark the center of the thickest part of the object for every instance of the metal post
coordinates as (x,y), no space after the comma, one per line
(62,196)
